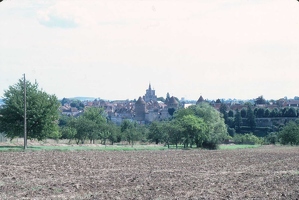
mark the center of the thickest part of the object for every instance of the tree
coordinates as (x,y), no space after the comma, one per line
(230,113)
(173,132)
(267,113)
(194,130)
(260,112)
(260,100)
(130,131)
(251,118)
(42,112)
(289,134)
(274,113)
(216,128)
(85,128)
(290,112)
(218,101)
(95,117)
(223,110)
(238,120)
(243,113)
(156,134)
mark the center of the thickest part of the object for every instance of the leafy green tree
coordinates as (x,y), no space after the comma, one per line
(130,131)
(251,118)
(218,101)
(115,133)
(173,132)
(77,104)
(85,129)
(194,130)
(289,134)
(68,132)
(243,113)
(42,112)
(272,138)
(238,120)
(216,128)
(230,113)
(95,117)
(290,112)
(274,113)
(260,100)
(231,122)
(156,133)
(223,110)
(267,113)
(260,112)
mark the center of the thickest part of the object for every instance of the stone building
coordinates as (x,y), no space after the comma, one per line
(140,109)
(150,95)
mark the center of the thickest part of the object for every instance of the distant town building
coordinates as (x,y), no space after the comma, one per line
(140,109)
(150,95)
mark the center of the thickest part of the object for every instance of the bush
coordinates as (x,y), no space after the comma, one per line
(247,138)
(271,138)
(210,145)
(289,134)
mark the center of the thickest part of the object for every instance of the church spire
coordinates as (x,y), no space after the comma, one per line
(149,86)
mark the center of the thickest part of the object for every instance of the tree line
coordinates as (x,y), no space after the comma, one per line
(200,126)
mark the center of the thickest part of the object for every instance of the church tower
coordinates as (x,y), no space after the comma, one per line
(150,94)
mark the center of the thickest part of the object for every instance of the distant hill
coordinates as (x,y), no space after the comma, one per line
(83,98)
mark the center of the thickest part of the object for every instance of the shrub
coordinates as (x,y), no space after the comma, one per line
(247,138)
(289,134)
(271,138)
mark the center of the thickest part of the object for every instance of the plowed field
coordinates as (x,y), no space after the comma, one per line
(261,173)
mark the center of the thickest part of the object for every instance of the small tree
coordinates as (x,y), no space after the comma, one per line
(251,118)
(238,120)
(156,133)
(243,113)
(260,100)
(289,134)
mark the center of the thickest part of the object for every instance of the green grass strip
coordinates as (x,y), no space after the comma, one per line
(238,146)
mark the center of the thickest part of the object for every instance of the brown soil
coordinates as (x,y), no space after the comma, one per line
(262,173)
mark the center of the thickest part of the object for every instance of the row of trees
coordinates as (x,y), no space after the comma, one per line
(267,113)
(200,126)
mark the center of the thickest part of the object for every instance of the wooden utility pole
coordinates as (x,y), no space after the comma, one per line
(25,120)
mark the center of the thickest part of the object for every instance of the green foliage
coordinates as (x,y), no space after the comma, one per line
(238,120)
(77,104)
(230,113)
(156,133)
(243,113)
(223,110)
(251,118)
(131,131)
(194,130)
(260,112)
(42,112)
(231,131)
(216,130)
(267,113)
(173,132)
(289,134)
(247,138)
(271,138)
(260,100)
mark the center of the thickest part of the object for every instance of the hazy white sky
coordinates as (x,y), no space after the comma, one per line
(112,49)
